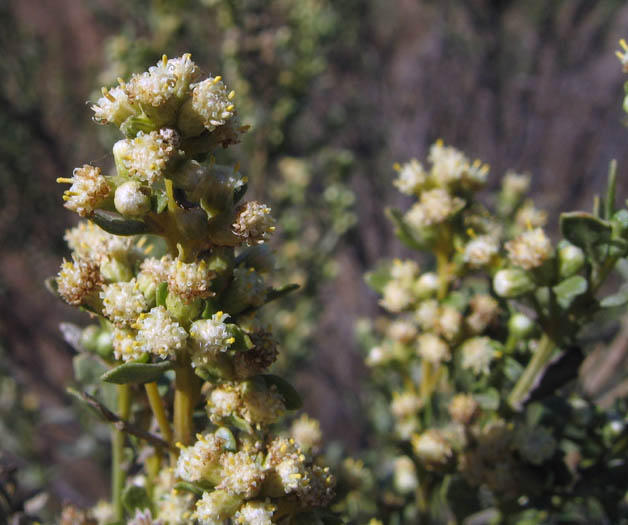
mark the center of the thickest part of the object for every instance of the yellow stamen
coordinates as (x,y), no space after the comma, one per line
(65,180)
(622,43)
(471,233)
(397,166)
(164,60)
(231,95)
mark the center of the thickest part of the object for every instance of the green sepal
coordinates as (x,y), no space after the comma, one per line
(159,202)
(226,435)
(585,230)
(114,223)
(161,294)
(136,123)
(402,230)
(242,341)
(291,397)
(488,400)
(239,423)
(137,372)
(186,486)
(566,291)
(135,498)
(619,298)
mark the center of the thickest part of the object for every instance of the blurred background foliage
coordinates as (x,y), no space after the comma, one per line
(335,91)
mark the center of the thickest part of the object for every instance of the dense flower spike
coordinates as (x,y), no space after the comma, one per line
(171,263)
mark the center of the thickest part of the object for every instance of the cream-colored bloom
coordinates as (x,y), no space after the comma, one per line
(402,330)
(516,183)
(215,507)
(448,322)
(113,107)
(412,176)
(148,155)
(254,223)
(434,207)
(144,517)
(213,102)
(157,269)
(483,311)
(125,345)
(89,241)
(432,449)
(223,401)
(89,189)
(190,281)
(255,513)
(448,163)
(201,460)
(159,334)
(405,404)
(396,297)
(405,475)
(478,354)
(530,217)
(530,249)
(210,336)
(320,490)
(123,302)
(241,474)
(380,355)
(306,431)
(405,271)
(426,314)
(480,251)
(77,280)
(463,408)
(432,348)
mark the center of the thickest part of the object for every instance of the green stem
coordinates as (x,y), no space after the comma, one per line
(186,387)
(117,456)
(159,411)
(535,366)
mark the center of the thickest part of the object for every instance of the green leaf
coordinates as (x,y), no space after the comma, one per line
(114,223)
(137,372)
(276,293)
(135,498)
(566,291)
(617,299)
(512,369)
(161,294)
(585,230)
(378,278)
(287,391)
(159,202)
(402,231)
(87,369)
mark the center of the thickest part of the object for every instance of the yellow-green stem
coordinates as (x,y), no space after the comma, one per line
(528,377)
(186,386)
(159,411)
(117,455)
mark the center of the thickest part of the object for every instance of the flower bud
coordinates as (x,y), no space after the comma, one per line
(570,260)
(431,449)
(463,409)
(426,286)
(512,283)
(131,200)
(520,326)
(405,477)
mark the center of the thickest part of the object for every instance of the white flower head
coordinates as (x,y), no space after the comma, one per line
(131,200)
(113,107)
(404,270)
(448,322)
(254,223)
(306,431)
(427,314)
(77,280)
(448,163)
(478,354)
(396,297)
(463,408)
(125,345)
(148,155)
(241,474)
(123,302)
(144,517)
(405,475)
(528,216)
(483,310)
(190,281)
(412,176)
(89,189)
(516,183)
(92,242)
(255,513)
(215,507)
(432,449)
(201,460)
(210,336)
(480,251)
(434,207)
(402,330)
(159,334)
(530,249)
(380,355)
(405,404)
(212,102)
(432,348)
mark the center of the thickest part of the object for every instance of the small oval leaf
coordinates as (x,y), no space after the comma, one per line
(114,223)
(566,291)
(136,372)
(287,391)
(584,230)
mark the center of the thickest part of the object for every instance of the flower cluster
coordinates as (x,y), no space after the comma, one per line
(462,359)
(170,262)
